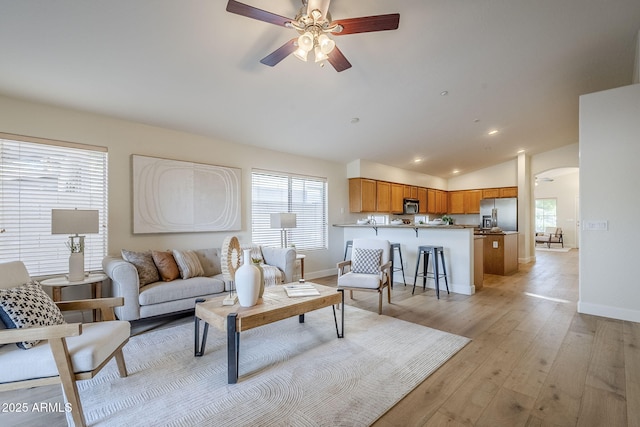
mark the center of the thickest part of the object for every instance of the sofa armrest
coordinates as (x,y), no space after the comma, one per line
(125,284)
(283,258)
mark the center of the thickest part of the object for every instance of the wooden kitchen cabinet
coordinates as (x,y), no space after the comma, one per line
(490,193)
(472,201)
(509,192)
(362,195)
(422,199)
(501,253)
(410,192)
(397,198)
(441,201)
(456,202)
(383,196)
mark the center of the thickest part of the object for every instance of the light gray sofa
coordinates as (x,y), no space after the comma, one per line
(161,298)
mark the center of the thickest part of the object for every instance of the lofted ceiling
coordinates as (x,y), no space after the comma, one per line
(433,89)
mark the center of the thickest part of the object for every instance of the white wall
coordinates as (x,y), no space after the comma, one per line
(609,175)
(366,169)
(500,175)
(123,138)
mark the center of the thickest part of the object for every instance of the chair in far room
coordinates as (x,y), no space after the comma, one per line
(40,348)
(369,268)
(550,235)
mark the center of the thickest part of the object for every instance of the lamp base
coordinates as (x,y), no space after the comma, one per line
(76,267)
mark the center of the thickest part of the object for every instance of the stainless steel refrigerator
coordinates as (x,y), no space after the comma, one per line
(501,213)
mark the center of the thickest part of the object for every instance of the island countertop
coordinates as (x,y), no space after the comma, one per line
(444,227)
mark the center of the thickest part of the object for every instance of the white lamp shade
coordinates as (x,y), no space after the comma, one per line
(74,221)
(283,220)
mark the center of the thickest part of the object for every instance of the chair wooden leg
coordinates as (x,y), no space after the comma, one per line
(122,366)
(380,302)
(67,378)
(389,294)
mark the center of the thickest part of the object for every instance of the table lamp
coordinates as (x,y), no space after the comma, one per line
(283,221)
(75,222)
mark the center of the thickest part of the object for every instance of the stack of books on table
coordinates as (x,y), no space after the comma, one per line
(301,290)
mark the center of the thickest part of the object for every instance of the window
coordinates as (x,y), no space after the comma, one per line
(39,175)
(305,196)
(545,214)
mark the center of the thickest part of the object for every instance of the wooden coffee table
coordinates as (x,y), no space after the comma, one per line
(275,305)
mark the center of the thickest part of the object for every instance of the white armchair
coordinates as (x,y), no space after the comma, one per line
(60,353)
(550,235)
(368,270)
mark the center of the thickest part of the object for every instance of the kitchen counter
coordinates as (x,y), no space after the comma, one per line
(457,241)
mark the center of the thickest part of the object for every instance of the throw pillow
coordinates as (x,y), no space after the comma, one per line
(27,306)
(188,264)
(166,264)
(147,271)
(366,261)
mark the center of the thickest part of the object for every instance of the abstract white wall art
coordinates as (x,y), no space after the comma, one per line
(172,196)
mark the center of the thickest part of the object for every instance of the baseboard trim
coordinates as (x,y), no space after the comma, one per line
(609,311)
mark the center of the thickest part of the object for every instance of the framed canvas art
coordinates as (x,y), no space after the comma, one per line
(173,196)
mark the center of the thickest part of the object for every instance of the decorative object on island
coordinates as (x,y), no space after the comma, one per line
(229,264)
(283,221)
(75,222)
(247,281)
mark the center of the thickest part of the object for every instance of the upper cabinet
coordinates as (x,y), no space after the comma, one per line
(362,195)
(494,193)
(370,195)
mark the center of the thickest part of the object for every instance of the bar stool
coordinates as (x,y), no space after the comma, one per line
(423,252)
(394,247)
(347,245)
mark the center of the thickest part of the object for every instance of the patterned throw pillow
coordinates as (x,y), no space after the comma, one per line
(166,264)
(26,306)
(147,271)
(366,261)
(188,264)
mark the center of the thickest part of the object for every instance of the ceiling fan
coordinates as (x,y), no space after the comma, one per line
(313,23)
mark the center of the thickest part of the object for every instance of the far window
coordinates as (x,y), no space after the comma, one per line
(306,196)
(545,214)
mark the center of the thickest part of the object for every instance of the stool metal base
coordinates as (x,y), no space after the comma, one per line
(394,247)
(423,252)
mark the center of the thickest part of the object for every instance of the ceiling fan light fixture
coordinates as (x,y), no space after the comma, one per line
(301,54)
(326,44)
(306,41)
(320,55)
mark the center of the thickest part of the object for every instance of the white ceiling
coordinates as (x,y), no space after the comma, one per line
(517,66)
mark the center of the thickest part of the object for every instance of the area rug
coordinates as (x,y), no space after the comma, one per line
(291,374)
(553,249)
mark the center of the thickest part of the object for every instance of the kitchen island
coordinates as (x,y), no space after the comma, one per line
(457,241)
(500,252)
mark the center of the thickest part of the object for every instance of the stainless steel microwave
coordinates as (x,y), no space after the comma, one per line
(411,206)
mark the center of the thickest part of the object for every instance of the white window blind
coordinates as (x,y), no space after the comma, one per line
(305,196)
(37,176)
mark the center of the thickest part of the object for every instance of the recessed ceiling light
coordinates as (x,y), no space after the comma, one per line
(455,171)
(476,120)
(493,132)
(444,93)
(520,151)
(417,160)
(355,120)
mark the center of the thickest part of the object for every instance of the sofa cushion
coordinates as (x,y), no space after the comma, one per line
(158,292)
(166,264)
(188,264)
(147,271)
(210,261)
(26,306)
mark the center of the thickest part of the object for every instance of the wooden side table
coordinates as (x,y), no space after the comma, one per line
(94,279)
(301,257)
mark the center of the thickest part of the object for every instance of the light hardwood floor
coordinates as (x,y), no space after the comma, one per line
(533,361)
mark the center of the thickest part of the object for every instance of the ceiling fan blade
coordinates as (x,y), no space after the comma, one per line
(338,60)
(255,13)
(368,24)
(280,53)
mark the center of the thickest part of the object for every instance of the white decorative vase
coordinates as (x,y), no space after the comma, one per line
(247,281)
(76,267)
